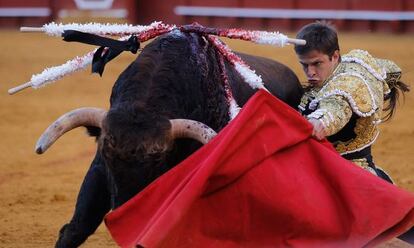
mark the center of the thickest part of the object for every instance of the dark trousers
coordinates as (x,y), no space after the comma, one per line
(408,236)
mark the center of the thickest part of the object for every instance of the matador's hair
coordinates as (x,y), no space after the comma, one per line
(320,36)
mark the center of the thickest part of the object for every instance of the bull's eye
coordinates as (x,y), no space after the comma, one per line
(108,146)
(157,147)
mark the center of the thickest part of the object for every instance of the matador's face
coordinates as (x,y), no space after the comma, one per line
(318,66)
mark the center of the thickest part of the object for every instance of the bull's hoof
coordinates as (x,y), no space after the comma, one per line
(69,237)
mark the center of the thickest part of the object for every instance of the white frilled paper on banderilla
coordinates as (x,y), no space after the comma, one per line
(53,74)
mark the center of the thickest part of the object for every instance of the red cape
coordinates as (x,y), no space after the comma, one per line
(264,182)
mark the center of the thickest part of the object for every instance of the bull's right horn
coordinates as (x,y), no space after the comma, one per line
(184,128)
(73,119)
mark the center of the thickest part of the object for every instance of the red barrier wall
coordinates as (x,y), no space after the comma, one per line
(54,7)
(408,26)
(321,4)
(386,5)
(292,24)
(145,12)
(216,21)
(17,21)
(265,23)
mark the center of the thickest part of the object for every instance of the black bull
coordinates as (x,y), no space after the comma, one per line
(175,76)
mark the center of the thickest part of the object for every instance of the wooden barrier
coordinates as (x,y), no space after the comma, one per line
(14,13)
(267,23)
(408,26)
(216,21)
(283,15)
(320,5)
(366,25)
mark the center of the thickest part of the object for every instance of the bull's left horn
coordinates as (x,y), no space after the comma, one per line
(73,119)
(184,128)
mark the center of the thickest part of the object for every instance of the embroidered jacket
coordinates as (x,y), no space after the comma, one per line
(350,102)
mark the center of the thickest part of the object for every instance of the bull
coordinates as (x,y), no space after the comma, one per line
(139,138)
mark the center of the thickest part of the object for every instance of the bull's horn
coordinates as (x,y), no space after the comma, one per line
(70,120)
(184,128)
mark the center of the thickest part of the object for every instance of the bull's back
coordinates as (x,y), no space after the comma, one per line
(280,80)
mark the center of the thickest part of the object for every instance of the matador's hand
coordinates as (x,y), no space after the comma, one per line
(318,129)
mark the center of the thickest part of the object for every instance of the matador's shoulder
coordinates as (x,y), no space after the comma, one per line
(366,61)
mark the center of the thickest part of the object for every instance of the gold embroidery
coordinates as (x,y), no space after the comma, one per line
(353,87)
(306,98)
(366,133)
(393,73)
(339,113)
(356,85)
(363,163)
(388,65)
(366,60)
(304,101)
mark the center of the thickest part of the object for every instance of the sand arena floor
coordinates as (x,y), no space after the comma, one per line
(37,193)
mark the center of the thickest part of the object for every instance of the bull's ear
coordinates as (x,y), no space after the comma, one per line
(93,131)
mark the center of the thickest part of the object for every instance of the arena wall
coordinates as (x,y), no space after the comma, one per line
(285,15)
(15,13)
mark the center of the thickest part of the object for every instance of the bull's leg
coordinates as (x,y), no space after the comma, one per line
(93,202)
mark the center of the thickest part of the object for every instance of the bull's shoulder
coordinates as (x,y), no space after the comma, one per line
(278,78)
(264,63)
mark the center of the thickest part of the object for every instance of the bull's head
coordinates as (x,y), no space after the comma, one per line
(133,142)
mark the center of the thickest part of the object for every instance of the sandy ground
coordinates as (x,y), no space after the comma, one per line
(37,193)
